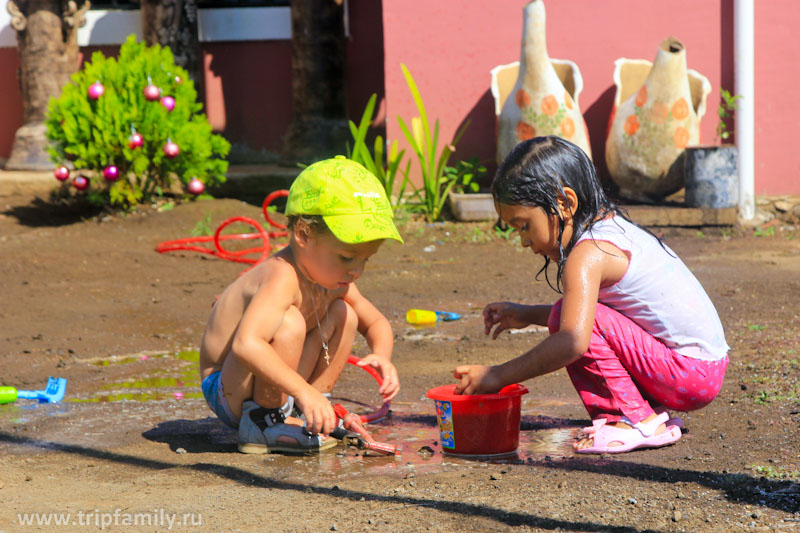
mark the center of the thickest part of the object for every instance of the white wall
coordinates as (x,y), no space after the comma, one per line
(224,24)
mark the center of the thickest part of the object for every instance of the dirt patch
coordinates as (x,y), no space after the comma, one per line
(86,297)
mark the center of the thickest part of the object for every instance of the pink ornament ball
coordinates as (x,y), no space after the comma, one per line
(135,141)
(96,90)
(151,92)
(168,102)
(171,149)
(80,182)
(178,80)
(111,173)
(195,186)
(62,173)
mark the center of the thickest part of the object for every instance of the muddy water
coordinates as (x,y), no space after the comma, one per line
(163,382)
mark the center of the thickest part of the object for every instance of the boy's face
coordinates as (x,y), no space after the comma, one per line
(334,264)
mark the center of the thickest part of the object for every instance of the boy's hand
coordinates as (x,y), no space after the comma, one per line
(391,382)
(477,379)
(505,315)
(320,417)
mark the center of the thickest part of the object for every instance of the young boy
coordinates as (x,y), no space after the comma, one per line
(281,334)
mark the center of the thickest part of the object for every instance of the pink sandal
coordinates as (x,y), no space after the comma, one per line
(640,436)
(599,422)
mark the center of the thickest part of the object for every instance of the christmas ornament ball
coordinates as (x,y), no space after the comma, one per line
(151,92)
(168,102)
(111,173)
(195,186)
(171,149)
(61,173)
(96,90)
(80,182)
(135,141)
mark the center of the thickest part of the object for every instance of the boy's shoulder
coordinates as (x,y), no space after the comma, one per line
(276,269)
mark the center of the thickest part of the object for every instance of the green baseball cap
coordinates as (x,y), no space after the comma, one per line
(349,198)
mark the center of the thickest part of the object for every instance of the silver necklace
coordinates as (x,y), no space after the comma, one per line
(319,326)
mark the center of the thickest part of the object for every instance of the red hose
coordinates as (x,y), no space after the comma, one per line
(380,413)
(238,256)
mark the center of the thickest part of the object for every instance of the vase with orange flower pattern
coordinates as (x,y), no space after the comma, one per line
(656,115)
(544,98)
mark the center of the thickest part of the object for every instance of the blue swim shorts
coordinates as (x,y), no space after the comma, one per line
(215,398)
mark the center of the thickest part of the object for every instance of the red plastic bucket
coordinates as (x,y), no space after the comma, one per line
(479,424)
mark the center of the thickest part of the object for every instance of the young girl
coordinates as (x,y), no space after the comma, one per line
(281,334)
(634,328)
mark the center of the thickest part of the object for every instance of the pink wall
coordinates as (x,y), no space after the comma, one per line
(777,60)
(464,40)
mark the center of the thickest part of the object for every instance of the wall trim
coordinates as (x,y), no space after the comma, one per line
(111,27)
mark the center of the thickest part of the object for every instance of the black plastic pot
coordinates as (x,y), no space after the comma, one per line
(712,176)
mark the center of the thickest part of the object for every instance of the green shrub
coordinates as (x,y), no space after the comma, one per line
(94,134)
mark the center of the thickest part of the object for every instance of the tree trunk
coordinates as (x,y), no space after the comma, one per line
(319,113)
(173,23)
(48,52)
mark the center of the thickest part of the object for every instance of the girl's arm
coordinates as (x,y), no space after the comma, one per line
(508,315)
(588,267)
(379,336)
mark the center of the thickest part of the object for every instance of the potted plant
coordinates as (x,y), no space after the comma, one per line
(711,172)
(467,202)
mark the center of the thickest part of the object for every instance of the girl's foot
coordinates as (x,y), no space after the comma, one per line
(618,437)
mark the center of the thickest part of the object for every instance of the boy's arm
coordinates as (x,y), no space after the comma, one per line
(378,332)
(251,345)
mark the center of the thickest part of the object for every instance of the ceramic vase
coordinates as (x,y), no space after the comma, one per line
(656,115)
(544,97)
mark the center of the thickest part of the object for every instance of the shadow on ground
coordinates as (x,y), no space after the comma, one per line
(740,488)
(43,213)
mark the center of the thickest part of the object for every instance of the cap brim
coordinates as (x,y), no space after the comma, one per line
(362,227)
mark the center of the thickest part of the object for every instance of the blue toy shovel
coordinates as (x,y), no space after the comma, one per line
(53,393)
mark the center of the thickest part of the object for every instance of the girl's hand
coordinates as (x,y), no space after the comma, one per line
(505,315)
(477,379)
(391,382)
(319,413)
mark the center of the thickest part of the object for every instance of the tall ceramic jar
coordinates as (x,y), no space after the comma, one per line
(656,115)
(540,103)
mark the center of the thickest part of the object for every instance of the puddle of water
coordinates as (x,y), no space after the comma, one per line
(416,434)
(169,383)
(412,427)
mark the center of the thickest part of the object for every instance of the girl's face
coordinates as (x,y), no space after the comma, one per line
(331,263)
(538,230)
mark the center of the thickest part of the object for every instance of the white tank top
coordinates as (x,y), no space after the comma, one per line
(659,293)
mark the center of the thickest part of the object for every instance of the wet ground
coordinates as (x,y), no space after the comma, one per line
(87,298)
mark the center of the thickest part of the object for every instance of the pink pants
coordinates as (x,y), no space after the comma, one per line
(628,372)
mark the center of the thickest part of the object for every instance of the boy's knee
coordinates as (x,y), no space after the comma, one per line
(343,315)
(292,329)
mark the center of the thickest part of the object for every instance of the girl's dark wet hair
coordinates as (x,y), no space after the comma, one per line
(535,173)
(315,222)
